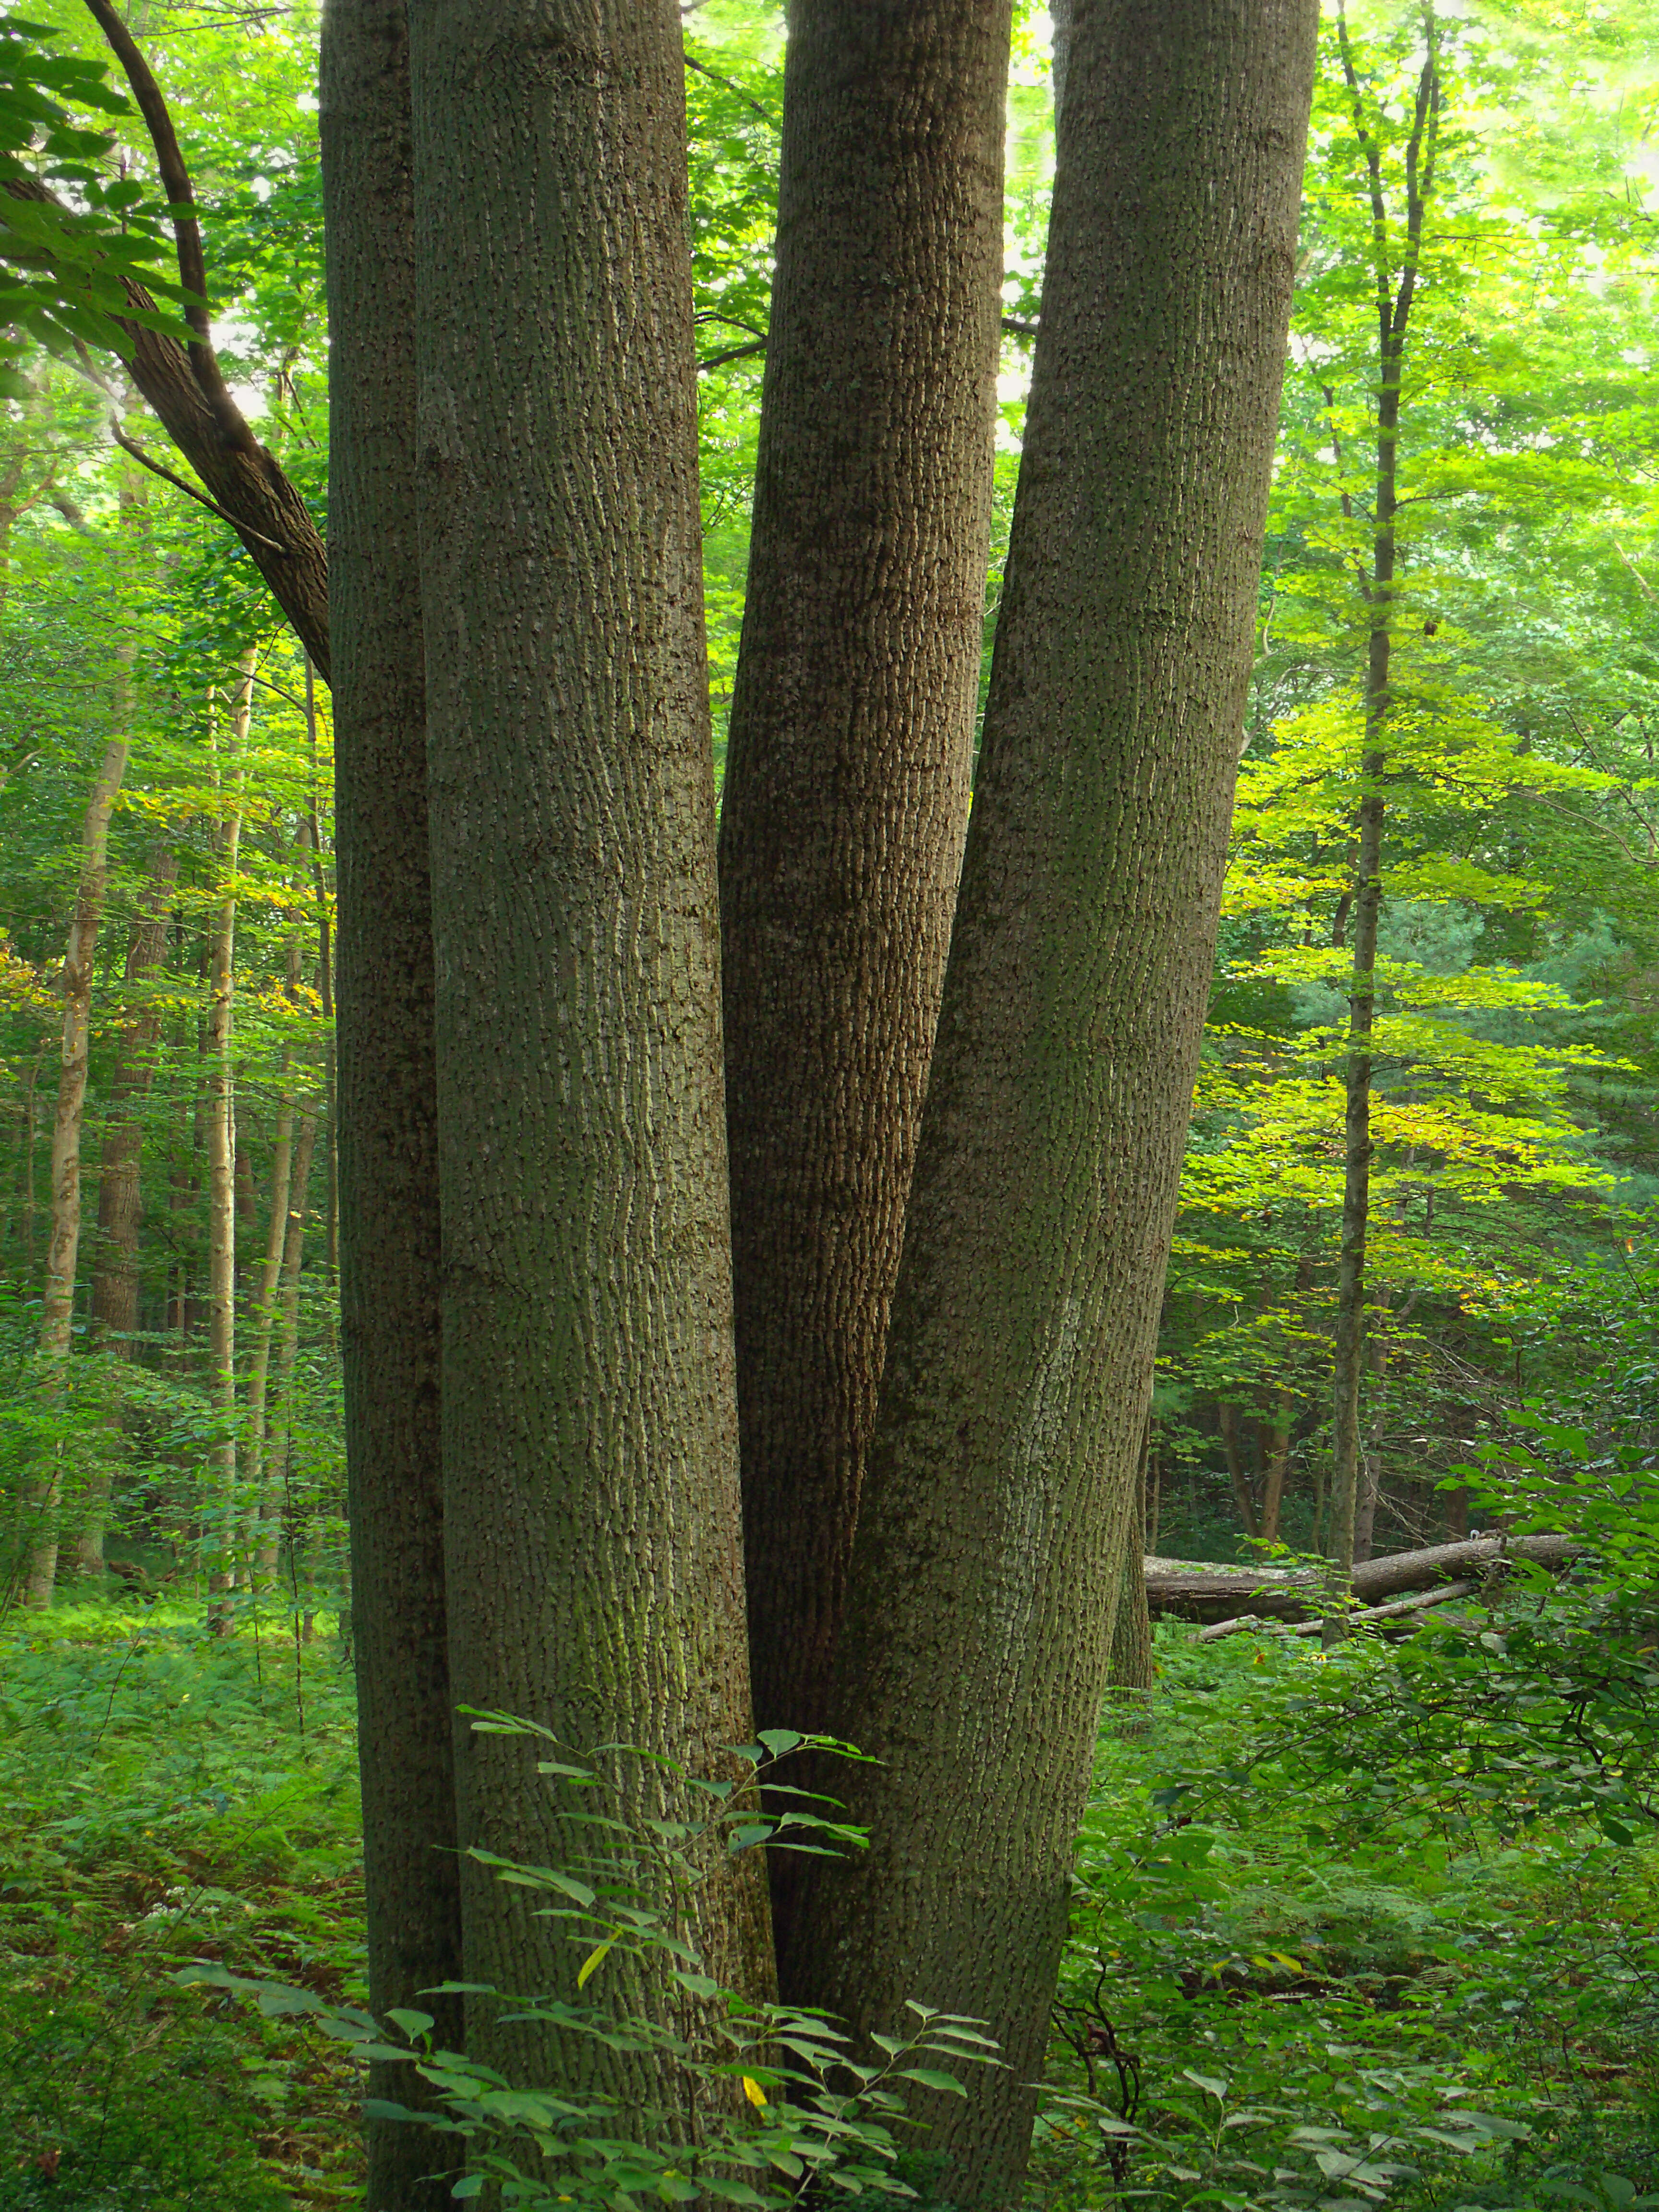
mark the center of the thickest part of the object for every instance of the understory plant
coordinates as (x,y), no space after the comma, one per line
(776,2107)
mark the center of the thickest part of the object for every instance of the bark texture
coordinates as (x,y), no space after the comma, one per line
(847,771)
(386,1081)
(591,1506)
(986,1566)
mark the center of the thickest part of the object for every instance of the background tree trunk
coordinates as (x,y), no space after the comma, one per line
(220,1511)
(43,1500)
(847,771)
(120,1189)
(1394,306)
(386,1082)
(976,1642)
(592,1513)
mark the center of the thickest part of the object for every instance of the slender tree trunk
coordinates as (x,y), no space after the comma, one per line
(977,1635)
(1281,1428)
(43,1501)
(593,1520)
(1394,306)
(221,1514)
(386,1088)
(276,1504)
(1243,1496)
(263,1317)
(121,1190)
(847,779)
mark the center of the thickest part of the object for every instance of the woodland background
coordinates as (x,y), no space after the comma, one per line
(197,1420)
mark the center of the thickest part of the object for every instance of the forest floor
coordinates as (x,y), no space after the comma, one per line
(1324,1981)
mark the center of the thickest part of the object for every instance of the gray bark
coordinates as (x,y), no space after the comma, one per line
(848,772)
(591,1505)
(1018,1361)
(385,1080)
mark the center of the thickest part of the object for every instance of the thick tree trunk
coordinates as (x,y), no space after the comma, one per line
(975,1648)
(592,1526)
(120,1189)
(43,1501)
(220,1516)
(386,1083)
(847,779)
(1131,1664)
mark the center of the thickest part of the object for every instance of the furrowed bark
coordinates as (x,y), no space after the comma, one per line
(847,779)
(1018,1362)
(384,1074)
(591,1512)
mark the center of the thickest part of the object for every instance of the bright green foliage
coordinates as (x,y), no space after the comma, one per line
(160,1800)
(63,258)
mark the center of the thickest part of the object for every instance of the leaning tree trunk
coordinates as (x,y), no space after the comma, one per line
(219,1515)
(121,1187)
(43,1499)
(591,1506)
(1018,1362)
(1380,588)
(847,779)
(386,1083)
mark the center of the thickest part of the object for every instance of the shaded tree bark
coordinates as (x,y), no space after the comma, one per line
(386,1085)
(592,1514)
(847,769)
(976,1642)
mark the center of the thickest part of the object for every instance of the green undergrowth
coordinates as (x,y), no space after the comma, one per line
(166,1796)
(1374,1927)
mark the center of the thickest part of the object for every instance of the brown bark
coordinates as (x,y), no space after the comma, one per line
(848,770)
(1019,1357)
(385,1090)
(592,1513)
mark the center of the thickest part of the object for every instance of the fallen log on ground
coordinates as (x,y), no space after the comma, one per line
(1395,1610)
(1200,1590)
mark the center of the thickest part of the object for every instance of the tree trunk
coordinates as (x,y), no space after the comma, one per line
(263,1317)
(591,1512)
(43,1501)
(220,1516)
(386,1085)
(1131,1664)
(276,1500)
(976,1642)
(121,1190)
(1394,306)
(848,772)
(1238,1474)
(1281,1429)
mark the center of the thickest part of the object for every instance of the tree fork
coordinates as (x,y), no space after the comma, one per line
(985,1567)
(847,779)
